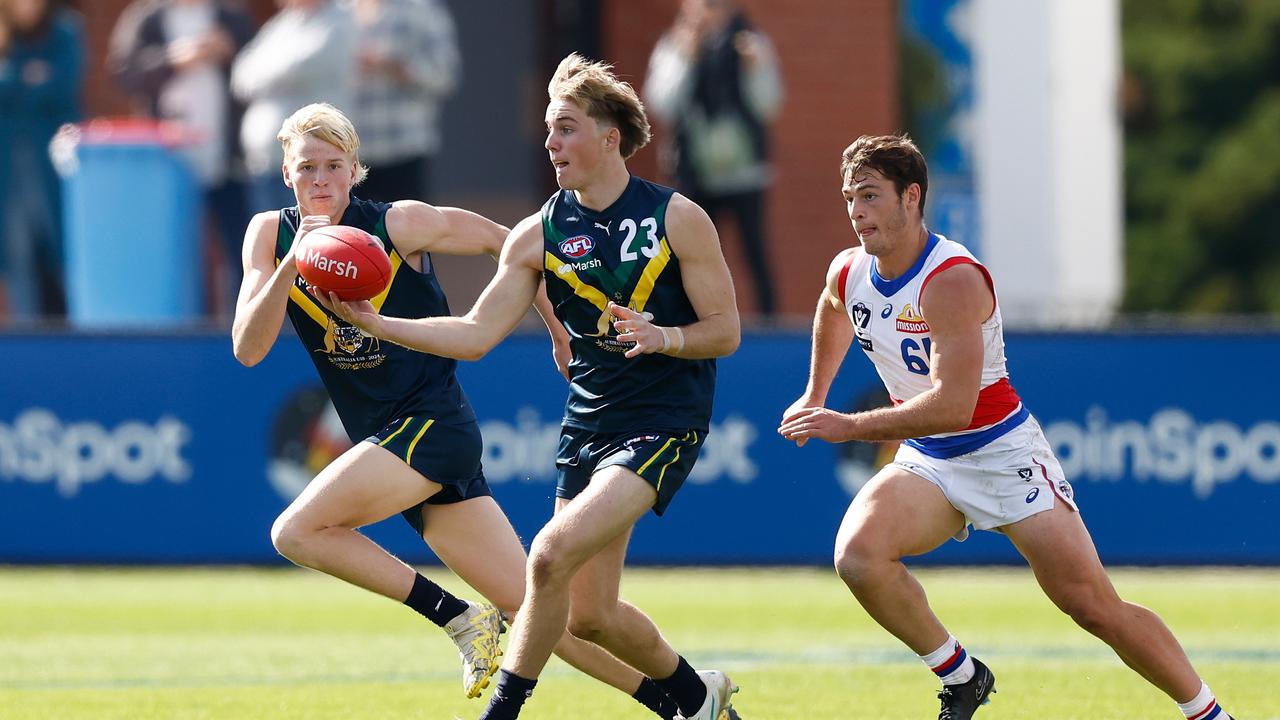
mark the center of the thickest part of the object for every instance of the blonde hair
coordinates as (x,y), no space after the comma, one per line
(323,122)
(593,87)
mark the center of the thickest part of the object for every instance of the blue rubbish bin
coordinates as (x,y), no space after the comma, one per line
(132,226)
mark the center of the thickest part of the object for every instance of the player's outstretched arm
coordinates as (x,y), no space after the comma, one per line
(706,280)
(832,336)
(500,308)
(418,227)
(264,293)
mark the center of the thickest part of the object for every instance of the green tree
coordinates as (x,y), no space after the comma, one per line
(1202,155)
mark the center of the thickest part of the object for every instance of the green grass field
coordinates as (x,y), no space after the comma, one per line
(219,644)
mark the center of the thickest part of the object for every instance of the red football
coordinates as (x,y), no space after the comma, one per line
(344,260)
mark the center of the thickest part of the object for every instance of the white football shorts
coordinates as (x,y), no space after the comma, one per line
(1010,479)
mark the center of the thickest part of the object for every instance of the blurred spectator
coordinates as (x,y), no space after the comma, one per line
(173,58)
(304,54)
(408,57)
(714,80)
(41,68)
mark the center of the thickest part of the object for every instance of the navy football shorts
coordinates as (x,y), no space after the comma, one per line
(663,458)
(448,454)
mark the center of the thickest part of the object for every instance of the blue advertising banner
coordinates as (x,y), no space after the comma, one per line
(938,106)
(165,450)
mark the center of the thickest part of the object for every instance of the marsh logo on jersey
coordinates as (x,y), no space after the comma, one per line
(577,246)
(909,322)
(566,268)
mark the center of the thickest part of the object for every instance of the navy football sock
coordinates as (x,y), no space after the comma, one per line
(434,602)
(652,696)
(685,687)
(508,697)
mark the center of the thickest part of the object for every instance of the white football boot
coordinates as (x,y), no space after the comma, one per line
(719,702)
(475,631)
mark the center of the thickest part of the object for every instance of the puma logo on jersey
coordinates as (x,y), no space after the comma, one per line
(604,227)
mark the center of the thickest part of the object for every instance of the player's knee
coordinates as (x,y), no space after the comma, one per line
(591,624)
(548,562)
(1095,615)
(855,562)
(287,538)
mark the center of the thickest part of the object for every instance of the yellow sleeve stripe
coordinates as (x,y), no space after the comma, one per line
(309,305)
(399,430)
(565,272)
(408,457)
(654,268)
(396,262)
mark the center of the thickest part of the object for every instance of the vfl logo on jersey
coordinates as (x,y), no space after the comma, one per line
(1025,474)
(909,322)
(861,315)
(577,246)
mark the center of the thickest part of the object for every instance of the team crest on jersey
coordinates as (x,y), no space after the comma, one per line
(911,322)
(577,246)
(349,348)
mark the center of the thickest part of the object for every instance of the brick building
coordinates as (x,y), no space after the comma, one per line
(839,62)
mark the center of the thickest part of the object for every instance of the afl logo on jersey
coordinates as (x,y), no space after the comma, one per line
(577,246)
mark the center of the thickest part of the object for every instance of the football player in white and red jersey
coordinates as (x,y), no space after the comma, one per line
(925,313)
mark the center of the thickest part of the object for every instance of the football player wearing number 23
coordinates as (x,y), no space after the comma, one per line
(636,277)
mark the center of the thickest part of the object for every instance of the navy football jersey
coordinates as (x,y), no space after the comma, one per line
(621,254)
(372,382)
